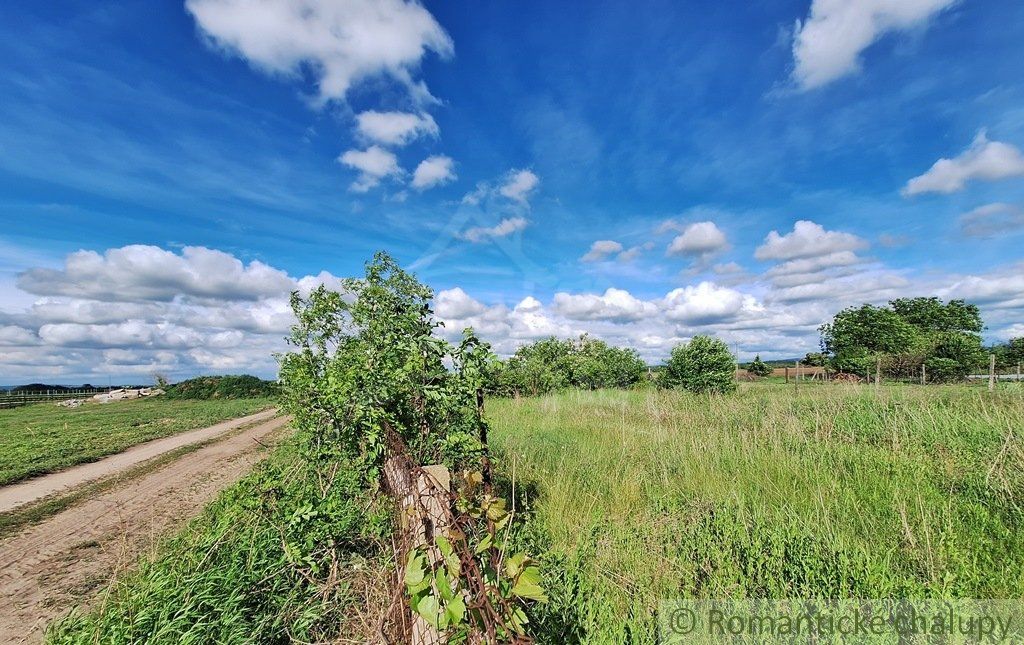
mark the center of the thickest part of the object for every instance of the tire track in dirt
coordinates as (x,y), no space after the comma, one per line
(21,493)
(48,568)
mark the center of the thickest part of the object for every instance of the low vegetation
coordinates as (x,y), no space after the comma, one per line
(223,387)
(553,364)
(834,491)
(43,438)
(282,556)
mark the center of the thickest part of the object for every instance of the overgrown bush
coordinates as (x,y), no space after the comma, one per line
(704,365)
(241,386)
(552,364)
(366,363)
(904,335)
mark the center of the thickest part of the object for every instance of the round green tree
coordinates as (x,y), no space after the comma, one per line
(703,365)
(757,367)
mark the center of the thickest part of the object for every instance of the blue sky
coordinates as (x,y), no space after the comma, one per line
(547,167)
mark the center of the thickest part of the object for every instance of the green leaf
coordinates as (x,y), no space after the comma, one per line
(414,570)
(444,545)
(444,587)
(484,544)
(428,608)
(456,609)
(528,585)
(514,564)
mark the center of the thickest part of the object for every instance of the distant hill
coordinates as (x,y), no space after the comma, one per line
(241,386)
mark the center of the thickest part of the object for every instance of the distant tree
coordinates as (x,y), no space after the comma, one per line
(814,359)
(551,364)
(904,335)
(704,365)
(931,315)
(757,367)
(1010,353)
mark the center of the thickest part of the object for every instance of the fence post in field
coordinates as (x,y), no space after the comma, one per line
(796,371)
(924,377)
(787,375)
(991,372)
(1018,371)
(878,372)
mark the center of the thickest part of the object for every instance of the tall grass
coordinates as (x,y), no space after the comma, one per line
(827,491)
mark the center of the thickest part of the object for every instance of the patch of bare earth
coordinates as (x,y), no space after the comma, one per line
(62,562)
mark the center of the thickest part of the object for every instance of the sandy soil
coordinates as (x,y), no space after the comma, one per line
(37,488)
(63,561)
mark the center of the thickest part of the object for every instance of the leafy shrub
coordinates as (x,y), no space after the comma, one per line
(552,364)
(944,370)
(223,387)
(758,367)
(904,335)
(704,365)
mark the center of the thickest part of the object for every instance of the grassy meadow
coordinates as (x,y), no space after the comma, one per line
(42,438)
(827,491)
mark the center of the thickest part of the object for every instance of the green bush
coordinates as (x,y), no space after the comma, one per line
(704,365)
(758,367)
(944,370)
(241,386)
(552,364)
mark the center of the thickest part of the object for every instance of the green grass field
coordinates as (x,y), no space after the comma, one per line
(829,491)
(43,438)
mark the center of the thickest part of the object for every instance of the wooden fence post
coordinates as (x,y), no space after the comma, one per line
(924,378)
(1018,371)
(878,372)
(991,372)
(787,375)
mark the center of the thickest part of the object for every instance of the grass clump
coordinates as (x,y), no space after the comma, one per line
(241,386)
(39,439)
(829,491)
(280,557)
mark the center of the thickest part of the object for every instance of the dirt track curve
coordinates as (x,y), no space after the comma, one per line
(49,567)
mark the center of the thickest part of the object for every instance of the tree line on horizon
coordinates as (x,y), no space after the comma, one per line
(898,339)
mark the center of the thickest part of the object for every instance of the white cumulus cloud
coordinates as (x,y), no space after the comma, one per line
(519,184)
(616,305)
(140,272)
(338,42)
(807,240)
(373,164)
(433,171)
(828,43)
(984,159)
(395,128)
(699,239)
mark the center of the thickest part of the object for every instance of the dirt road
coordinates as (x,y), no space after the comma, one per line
(52,566)
(37,488)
